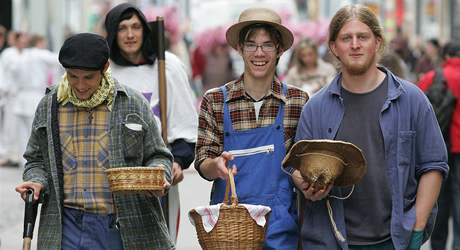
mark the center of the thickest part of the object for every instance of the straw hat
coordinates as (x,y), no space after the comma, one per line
(259,16)
(322,162)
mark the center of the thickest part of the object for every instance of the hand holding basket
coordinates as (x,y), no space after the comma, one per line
(235,228)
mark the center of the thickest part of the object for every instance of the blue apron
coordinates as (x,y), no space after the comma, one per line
(259,179)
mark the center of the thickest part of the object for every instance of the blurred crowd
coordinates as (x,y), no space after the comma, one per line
(27,66)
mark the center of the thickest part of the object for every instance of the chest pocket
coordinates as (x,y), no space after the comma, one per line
(69,153)
(133,137)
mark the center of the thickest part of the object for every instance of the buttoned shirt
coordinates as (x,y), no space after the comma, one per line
(84,136)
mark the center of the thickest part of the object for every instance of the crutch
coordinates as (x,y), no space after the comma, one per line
(30,214)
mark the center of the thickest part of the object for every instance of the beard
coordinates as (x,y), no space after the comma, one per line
(354,68)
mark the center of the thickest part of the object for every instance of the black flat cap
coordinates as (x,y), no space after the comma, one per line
(85,51)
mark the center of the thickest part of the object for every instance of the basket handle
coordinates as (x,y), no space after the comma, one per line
(230,181)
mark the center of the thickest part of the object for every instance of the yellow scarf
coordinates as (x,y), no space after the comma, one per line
(105,92)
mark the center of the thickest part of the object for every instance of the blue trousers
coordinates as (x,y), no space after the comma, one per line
(81,231)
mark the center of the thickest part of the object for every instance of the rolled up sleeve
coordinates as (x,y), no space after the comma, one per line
(431,151)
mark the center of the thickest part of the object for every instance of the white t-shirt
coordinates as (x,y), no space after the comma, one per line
(182,115)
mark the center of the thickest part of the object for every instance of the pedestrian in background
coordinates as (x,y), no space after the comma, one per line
(429,59)
(3,43)
(393,123)
(32,68)
(310,72)
(395,64)
(80,129)
(449,199)
(13,79)
(254,114)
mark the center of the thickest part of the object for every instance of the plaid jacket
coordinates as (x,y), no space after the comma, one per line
(142,225)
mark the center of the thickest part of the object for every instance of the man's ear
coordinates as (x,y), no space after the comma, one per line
(378,42)
(332,49)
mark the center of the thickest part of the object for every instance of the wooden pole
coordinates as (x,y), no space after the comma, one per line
(26,243)
(160,36)
(162,79)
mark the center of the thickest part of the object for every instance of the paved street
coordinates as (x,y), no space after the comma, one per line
(194,192)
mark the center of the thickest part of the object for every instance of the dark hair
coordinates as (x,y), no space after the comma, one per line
(127,15)
(274,34)
(434,42)
(451,49)
(361,13)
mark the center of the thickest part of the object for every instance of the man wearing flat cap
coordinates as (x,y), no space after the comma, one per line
(84,125)
(248,124)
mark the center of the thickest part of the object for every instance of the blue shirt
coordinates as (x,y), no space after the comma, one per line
(413,145)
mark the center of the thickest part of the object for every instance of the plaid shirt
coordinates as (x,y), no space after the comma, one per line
(242,112)
(84,136)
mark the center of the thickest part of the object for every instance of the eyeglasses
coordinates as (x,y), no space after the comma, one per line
(252,47)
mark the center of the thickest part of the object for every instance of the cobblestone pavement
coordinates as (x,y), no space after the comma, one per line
(194,192)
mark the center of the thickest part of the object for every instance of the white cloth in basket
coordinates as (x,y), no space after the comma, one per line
(210,215)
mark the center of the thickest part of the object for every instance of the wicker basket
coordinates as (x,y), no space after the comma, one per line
(135,178)
(235,229)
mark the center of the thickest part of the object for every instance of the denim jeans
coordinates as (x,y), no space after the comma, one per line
(88,231)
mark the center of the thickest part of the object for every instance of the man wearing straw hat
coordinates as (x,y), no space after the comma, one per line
(248,124)
(84,125)
(393,123)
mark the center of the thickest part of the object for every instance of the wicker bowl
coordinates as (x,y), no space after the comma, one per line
(136,178)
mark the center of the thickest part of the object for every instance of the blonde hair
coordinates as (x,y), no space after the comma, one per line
(304,44)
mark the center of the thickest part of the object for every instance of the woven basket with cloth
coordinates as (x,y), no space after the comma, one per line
(234,229)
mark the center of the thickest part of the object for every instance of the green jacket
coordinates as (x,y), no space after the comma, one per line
(141,222)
